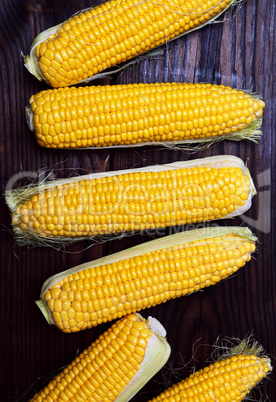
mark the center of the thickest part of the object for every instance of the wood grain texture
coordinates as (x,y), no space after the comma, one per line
(239,51)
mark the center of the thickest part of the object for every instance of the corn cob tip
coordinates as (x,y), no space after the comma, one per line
(244,347)
(30,61)
(261,104)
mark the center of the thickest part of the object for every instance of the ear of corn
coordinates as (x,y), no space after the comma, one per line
(115,367)
(133,200)
(144,276)
(111,33)
(229,379)
(141,114)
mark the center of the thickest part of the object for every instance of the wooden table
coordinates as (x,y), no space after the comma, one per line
(239,52)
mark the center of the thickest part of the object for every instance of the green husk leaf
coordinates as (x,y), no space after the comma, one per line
(30,118)
(30,61)
(42,306)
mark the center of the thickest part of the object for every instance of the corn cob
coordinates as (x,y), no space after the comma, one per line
(115,367)
(143,276)
(229,379)
(139,114)
(67,210)
(111,33)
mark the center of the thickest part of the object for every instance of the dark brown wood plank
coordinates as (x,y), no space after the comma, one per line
(240,52)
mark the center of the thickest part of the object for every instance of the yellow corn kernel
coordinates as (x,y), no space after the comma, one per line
(144,276)
(141,114)
(140,199)
(103,371)
(229,379)
(111,33)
